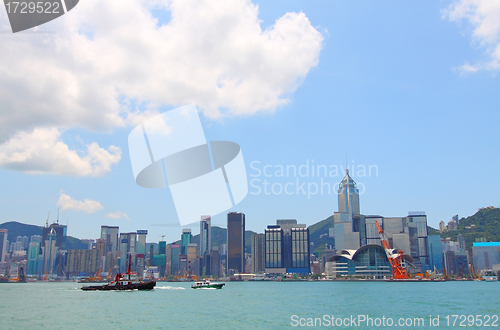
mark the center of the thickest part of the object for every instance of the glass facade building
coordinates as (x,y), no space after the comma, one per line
(3,244)
(235,242)
(110,234)
(205,235)
(287,248)
(257,252)
(348,196)
(368,261)
(185,240)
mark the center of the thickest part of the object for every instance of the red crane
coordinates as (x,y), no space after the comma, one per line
(398,270)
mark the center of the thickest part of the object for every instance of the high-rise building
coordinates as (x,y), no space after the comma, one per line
(185,240)
(3,244)
(110,234)
(258,253)
(141,241)
(442,226)
(205,235)
(215,262)
(485,256)
(235,242)
(51,250)
(128,243)
(435,252)
(287,248)
(33,252)
(176,250)
(192,258)
(60,232)
(347,219)
(348,194)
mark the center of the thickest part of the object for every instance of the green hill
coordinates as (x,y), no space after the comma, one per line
(20,229)
(318,234)
(482,226)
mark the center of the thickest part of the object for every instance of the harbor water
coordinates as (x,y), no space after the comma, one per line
(252,305)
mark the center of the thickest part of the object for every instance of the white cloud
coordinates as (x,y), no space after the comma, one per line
(105,54)
(65,202)
(484,16)
(42,152)
(118,215)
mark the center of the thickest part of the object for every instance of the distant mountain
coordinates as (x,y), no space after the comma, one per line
(318,234)
(484,225)
(20,229)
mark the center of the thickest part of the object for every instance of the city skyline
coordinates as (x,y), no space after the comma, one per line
(408,89)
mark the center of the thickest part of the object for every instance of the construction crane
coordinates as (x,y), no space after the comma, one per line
(398,270)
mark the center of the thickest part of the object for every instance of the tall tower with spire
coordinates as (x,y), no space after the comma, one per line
(346,220)
(348,196)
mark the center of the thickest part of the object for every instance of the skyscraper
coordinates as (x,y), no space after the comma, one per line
(205,235)
(258,253)
(235,242)
(287,247)
(110,234)
(348,196)
(347,219)
(175,249)
(60,232)
(51,250)
(185,240)
(33,252)
(3,244)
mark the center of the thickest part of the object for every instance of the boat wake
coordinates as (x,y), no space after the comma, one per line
(168,288)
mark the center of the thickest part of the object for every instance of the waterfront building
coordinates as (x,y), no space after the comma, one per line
(192,258)
(450,263)
(51,250)
(287,248)
(60,234)
(235,242)
(110,234)
(185,240)
(435,252)
(215,262)
(486,256)
(3,244)
(176,249)
(258,253)
(168,259)
(205,235)
(368,261)
(33,252)
(128,244)
(82,262)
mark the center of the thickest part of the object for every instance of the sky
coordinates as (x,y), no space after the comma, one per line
(406,93)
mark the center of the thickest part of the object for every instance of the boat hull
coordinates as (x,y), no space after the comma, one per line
(135,286)
(210,286)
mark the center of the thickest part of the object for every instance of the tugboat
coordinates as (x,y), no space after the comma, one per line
(204,284)
(127,281)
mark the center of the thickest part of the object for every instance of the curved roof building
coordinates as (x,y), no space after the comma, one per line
(367,261)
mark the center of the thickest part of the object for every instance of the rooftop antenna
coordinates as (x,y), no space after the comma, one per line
(57,216)
(346,166)
(47,221)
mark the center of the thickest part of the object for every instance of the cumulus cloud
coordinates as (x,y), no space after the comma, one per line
(105,54)
(118,215)
(65,202)
(484,16)
(42,152)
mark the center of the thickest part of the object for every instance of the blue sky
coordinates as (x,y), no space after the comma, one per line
(405,87)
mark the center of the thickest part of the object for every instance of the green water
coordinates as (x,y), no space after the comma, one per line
(243,305)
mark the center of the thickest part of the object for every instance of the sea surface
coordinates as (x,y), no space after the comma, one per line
(252,305)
